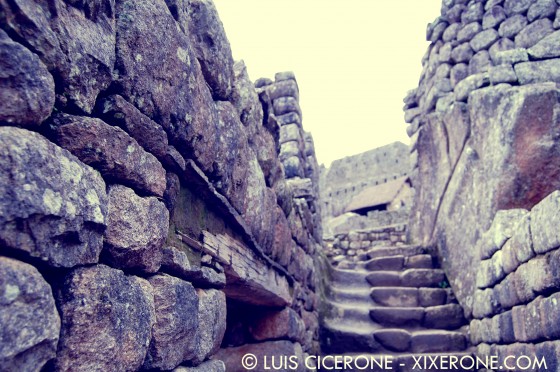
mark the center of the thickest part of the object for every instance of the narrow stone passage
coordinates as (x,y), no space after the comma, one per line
(390,300)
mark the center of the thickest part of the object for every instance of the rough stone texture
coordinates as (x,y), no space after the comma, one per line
(533,32)
(538,71)
(285,324)
(107,320)
(52,206)
(543,219)
(511,26)
(547,47)
(211,46)
(136,230)
(30,321)
(484,39)
(26,86)
(174,338)
(176,262)
(211,322)
(111,151)
(115,110)
(76,41)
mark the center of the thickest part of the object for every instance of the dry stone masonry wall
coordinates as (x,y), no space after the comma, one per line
(156,209)
(485,153)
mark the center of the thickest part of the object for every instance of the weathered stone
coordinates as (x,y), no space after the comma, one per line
(485,304)
(470,84)
(107,320)
(115,110)
(27,94)
(246,99)
(285,105)
(111,151)
(480,62)
(450,32)
(511,56)
(542,9)
(468,31)
(547,47)
(502,228)
(176,262)
(509,259)
(458,73)
(431,297)
(232,356)
(213,365)
(444,317)
(210,44)
(174,333)
(290,132)
(75,41)
(433,342)
(538,71)
(462,53)
(157,71)
(484,39)
(136,230)
(512,26)
(502,74)
(422,277)
(284,75)
(62,201)
(473,12)
(493,17)
(516,6)
(438,31)
(445,54)
(500,46)
(30,322)
(211,322)
(455,12)
(521,241)
(284,88)
(276,325)
(550,316)
(393,339)
(533,33)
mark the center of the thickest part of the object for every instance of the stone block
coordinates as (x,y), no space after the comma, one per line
(510,27)
(544,217)
(533,33)
(493,17)
(136,230)
(62,201)
(29,318)
(484,39)
(211,322)
(107,320)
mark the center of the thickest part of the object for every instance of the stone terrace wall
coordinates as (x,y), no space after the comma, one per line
(347,177)
(148,218)
(484,130)
(516,303)
(483,125)
(351,246)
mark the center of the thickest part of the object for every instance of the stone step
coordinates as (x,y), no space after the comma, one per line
(420,341)
(438,317)
(344,337)
(404,250)
(437,341)
(348,277)
(409,296)
(406,362)
(349,294)
(398,262)
(348,312)
(407,278)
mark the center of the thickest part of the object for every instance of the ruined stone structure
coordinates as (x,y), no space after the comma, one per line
(156,209)
(347,177)
(486,155)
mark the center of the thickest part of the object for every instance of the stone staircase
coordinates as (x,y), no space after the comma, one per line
(392,301)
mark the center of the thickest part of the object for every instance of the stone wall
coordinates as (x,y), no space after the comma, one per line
(483,125)
(152,212)
(516,301)
(484,147)
(353,221)
(353,246)
(347,177)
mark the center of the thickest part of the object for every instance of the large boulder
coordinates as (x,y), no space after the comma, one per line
(174,339)
(52,206)
(110,150)
(74,39)
(29,322)
(107,320)
(26,86)
(136,230)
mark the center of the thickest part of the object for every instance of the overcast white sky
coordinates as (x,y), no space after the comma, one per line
(354,61)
